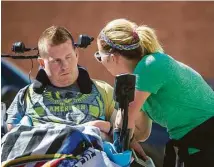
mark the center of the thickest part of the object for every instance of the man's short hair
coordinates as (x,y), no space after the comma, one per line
(54,35)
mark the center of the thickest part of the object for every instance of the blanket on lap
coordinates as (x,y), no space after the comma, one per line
(51,146)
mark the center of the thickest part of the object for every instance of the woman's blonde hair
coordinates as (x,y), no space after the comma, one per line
(125,37)
(148,39)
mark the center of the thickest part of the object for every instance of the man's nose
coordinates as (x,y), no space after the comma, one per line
(64,64)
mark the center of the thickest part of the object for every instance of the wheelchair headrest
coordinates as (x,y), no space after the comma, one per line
(83,80)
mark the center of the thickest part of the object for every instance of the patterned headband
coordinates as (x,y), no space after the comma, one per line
(118,46)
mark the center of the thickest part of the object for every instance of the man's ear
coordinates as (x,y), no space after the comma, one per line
(41,62)
(77,52)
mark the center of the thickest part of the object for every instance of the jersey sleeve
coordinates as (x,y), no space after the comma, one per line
(16,111)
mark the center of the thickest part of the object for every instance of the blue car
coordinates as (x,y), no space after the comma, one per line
(12,79)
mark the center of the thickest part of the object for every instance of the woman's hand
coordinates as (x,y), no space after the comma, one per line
(135,145)
(118,119)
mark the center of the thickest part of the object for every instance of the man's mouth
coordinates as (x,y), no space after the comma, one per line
(64,74)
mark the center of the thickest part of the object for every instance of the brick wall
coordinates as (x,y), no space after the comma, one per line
(186,29)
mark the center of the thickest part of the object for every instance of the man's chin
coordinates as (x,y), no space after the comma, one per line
(66,83)
(66,80)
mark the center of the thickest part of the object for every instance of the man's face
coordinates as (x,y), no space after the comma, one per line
(60,64)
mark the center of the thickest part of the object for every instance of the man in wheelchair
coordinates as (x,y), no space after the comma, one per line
(62,95)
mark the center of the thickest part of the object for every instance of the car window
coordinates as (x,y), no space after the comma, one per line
(3,82)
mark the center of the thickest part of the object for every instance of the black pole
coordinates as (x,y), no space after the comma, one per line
(20,56)
(124,137)
(124,94)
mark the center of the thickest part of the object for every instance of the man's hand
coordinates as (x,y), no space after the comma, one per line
(135,145)
(106,137)
(104,126)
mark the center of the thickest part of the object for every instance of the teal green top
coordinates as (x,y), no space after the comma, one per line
(180,99)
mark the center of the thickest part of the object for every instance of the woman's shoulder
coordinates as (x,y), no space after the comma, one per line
(158,56)
(157,59)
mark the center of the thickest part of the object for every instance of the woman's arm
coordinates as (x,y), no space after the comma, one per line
(143,125)
(139,120)
(133,114)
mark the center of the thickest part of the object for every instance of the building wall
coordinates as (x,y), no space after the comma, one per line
(185,29)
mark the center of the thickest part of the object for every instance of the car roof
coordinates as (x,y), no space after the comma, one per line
(12,75)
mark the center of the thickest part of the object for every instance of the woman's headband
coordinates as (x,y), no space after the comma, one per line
(118,46)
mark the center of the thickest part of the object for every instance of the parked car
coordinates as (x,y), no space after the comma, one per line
(12,79)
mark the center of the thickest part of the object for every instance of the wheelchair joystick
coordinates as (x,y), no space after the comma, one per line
(124,94)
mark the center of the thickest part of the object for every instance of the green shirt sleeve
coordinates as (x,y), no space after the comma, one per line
(152,72)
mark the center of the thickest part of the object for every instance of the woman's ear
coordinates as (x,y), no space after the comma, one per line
(41,62)
(115,58)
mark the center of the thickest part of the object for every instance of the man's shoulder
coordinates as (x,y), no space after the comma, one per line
(24,89)
(20,95)
(102,84)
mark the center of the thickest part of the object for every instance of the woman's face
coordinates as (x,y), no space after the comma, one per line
(107,59)
(110,61)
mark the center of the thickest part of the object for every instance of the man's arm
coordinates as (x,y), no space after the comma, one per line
(104,126)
